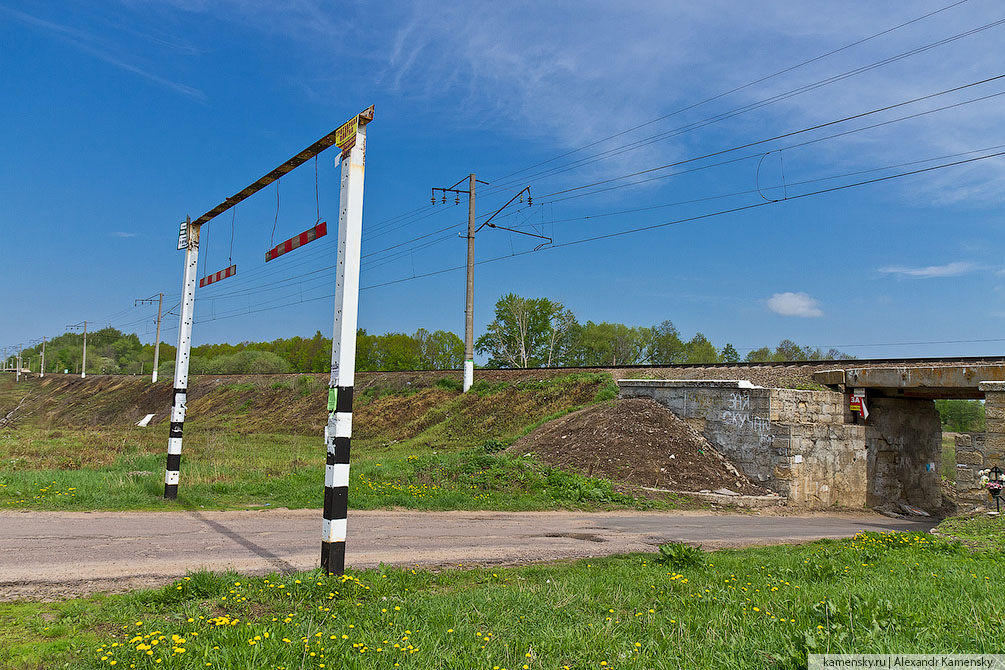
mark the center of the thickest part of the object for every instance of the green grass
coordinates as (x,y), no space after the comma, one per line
(749,609)
(124,470)
(980,532)
(422,447)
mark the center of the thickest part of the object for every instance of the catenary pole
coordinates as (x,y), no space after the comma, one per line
(17,377)
(83,363)
(157,342)
(469,294)
(469,300)
(41,368)
(338,432)
(182,357)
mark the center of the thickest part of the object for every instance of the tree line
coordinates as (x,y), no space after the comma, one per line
(539,332)
(525,333)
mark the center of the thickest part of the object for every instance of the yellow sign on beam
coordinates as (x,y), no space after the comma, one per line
(345,135)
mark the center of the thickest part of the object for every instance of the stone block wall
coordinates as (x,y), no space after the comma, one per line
(795,442)
(970,461)
(903,440)
(992,451)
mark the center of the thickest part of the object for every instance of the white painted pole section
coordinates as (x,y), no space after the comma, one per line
(469,298)
(338,432)
(157,341)
(179,396)
(41,368)
(83,362)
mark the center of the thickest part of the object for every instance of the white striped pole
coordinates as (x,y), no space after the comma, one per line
(338,432)
(179,396)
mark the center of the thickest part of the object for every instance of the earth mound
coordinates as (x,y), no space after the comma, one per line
(639,441)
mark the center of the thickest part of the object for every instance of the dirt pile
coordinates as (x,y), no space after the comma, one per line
(637,441)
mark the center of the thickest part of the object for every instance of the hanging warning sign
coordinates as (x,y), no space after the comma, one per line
(217,276)
(309,235)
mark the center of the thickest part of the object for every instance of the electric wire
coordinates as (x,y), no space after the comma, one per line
(632,231)
(736,89)
(746,108)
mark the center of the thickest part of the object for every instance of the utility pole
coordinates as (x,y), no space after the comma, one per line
(469,303)
(469,297)
(188,239)
(17,377)
(83,362)
(41,368)
(157,341)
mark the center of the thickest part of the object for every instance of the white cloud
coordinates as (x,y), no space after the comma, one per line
(953,269)
(121,233)
(794,304)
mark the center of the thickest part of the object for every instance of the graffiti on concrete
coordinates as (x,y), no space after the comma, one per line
(738,415)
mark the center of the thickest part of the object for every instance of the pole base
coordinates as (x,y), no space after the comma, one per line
(333,558)
(171,491)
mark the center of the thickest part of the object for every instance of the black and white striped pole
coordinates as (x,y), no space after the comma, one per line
(188,239)
(351,138)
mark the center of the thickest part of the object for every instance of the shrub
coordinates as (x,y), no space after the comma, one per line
(680,555)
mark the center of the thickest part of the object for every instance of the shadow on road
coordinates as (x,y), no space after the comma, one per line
(260,551)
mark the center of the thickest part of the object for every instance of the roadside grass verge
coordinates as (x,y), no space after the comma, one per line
(979,532)
(420,448)
(763,607)
(240,472)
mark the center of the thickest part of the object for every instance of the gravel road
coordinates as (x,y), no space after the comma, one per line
(56,555)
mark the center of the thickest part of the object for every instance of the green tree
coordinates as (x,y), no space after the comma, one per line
(665,346)
(699,350)
(729,354)
(607,344)
(961,416)
(439,350)
(528,332)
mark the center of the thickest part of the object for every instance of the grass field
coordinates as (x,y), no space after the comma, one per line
(419,448)
(983,533)
(752,608)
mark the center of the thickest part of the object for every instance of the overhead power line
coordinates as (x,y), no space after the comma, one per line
(617,151)
(738,88)
(801,131)
(286,299)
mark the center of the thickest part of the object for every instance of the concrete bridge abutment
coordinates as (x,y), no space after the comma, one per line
(807,445)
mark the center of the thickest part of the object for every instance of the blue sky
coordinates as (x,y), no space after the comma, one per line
(121,117)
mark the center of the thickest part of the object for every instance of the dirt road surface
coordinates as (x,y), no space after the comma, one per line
(56,555)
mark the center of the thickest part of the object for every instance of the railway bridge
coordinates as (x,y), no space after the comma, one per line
(866,433)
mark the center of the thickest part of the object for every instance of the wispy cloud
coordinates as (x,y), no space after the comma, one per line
(564,75)
(95,46)
(795,304)
(953,269)
(120,233)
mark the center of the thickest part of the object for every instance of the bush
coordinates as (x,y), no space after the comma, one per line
(680,555)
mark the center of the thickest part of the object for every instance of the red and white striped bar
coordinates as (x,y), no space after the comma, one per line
(300,240)
(217,276)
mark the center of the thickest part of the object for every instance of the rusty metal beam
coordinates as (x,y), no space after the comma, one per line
(310,152)
(945,381)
